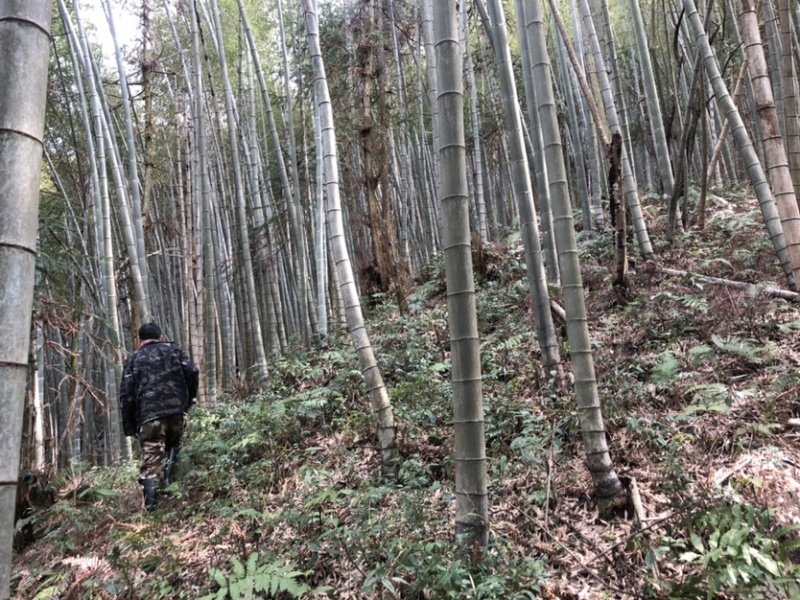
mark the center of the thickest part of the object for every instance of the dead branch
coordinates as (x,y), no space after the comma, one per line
(753,288)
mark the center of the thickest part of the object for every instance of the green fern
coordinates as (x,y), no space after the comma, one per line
(700,354)
(745,348)
(254,580)
(252,439)
(666,370)
(708,263)
(712,397)
(758,429)
(694,302)
(791,327)
(512,342)
(48,593)
(784,383)
(733,548)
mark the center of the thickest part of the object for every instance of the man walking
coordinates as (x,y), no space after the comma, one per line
(159,385)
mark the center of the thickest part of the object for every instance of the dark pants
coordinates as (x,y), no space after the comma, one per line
(157,438)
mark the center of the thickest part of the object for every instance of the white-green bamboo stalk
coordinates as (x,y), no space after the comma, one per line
(790,93)
(480,200)
(629,184)
(38,402)
(595,177)
(79,50)
(24,46)
(774,149)
(403,176)
(250,300)
(774,53)
(653,103)
(605,37)
(523,194)
(321,243)
(295,212)
(717,152)
(84,62)
(206,282)
(766,201)
(426,14)
(540,168)
(577,132)
(607,484)
(379,397)
(472,498)
(133,174)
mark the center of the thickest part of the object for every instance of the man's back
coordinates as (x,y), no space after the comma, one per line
(160,379)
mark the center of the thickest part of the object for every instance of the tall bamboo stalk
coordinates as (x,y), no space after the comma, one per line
(628,182)
(250,300)
(133,172)
(523,194)
(24,46)
(472,498)
(774,149)
(766,201)
(379,397)
(653,103)
(607,484)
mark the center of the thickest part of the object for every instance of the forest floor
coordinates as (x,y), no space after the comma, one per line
(280,490)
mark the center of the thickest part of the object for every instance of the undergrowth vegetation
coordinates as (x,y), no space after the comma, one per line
(279,494)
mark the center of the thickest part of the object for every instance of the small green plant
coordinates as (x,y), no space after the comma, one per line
(253,580)
(665,371)
(440,570)
(694,302)
(734,547)
(710,397)
(746,349)
(700,354)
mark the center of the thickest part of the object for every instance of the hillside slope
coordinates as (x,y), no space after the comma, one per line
(280,491)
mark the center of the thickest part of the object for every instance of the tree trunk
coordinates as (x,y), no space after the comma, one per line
(608,487)
(774,150)
(24,46)
(764,195)
(379,397)
(472,498)
(790,91)
(523,193)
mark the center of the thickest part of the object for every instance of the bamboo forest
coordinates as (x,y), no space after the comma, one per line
(490,299)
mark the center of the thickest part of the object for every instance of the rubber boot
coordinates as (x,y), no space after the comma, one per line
(171,466)
(150,491)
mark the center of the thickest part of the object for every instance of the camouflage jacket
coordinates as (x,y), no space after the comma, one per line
(158,380)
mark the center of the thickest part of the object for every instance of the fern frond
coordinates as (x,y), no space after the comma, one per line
(712,397)
(701,353)
(744,348)
(89,565)
(708,391)
(249,578)
(49,593)
(238,567)
(695,302)
(666,370)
